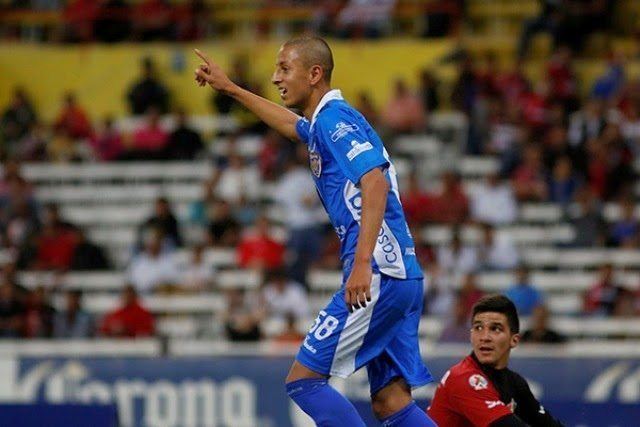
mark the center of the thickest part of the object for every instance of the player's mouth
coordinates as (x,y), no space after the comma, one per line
(485,351)
(283,92)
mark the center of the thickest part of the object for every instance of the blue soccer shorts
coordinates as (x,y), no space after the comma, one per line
(383,336)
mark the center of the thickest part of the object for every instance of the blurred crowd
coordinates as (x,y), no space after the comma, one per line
(558,140)
(111,21)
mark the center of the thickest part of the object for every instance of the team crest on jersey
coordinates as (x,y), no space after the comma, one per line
(315,163)
(478,382)
(341,130)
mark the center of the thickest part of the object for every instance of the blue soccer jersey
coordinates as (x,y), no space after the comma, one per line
(383,336)
(342,148)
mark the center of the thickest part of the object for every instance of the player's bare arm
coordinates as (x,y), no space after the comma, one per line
(374,188)
(276,116)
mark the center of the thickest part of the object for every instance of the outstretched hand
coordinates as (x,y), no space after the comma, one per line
(208,72)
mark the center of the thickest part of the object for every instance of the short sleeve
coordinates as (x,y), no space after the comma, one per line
(350,145)
(302,129)
(476,399)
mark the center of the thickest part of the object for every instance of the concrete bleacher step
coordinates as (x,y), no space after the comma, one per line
(519,234)
(554,282)
(72,194)
(120,172)
(581,258)
(431,327)
(100,303)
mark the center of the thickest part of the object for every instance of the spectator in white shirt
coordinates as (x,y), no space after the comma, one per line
(152,267)
(439,292)
(497,251)
(457,258)
(196,275)
(302,213)
(493,202)
(283,296)
(237,183)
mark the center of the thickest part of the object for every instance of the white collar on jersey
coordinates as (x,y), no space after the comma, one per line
(329,96)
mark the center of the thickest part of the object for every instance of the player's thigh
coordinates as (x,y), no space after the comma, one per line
(401,357)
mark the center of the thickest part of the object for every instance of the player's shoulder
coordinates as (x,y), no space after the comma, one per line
(467,373)
(336,111)
(464,367)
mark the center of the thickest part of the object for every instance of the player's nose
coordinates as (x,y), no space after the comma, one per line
(275,79)
(485,335)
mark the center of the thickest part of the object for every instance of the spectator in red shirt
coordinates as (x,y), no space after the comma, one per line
(271,160)
(488,76)
(38,317)
(107,143)
(73,120)
(149,140)
(451,205)
(79,18)
(57,242)
(257,249)
(150,136)
(535,106)
(418,204)
(529,179)
(153,20)
(562,79)
(193,20)
(404,112)
(514,84)
(481,390)
(130,320)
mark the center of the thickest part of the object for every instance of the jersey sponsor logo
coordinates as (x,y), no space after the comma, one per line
(342,129)
(315,163)
(478,382)
(387,244)
(387,252)
(493,403)
(358,148)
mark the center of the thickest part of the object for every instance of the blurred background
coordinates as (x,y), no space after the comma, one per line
(163,253)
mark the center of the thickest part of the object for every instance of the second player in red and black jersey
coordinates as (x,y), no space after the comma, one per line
(480,390)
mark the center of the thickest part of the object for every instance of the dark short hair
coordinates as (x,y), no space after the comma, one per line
(498,304)
(314,51)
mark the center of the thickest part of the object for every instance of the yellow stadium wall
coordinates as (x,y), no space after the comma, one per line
(101,75)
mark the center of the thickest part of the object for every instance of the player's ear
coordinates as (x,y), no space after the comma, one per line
(316,73)
(515,340)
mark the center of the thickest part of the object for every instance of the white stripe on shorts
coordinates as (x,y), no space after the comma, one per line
(353,333)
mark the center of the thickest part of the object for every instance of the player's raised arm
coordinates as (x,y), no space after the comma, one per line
(276,116)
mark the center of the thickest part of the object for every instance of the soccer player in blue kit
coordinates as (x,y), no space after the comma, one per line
(373,319)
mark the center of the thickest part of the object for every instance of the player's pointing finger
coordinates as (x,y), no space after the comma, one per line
(203,56)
